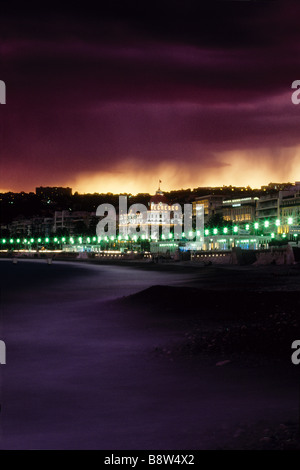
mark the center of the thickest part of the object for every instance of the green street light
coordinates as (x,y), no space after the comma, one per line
(225,230)
(39,240)
(256,225)
(3,240)
(18,240)
(235,229)
(247,226)
(206,232)
(11,240)
(31,240)
(266,223)
(88,240)
(63,239)
(290,220)
(47,240)
(277,223)
(272,235)
(215,231)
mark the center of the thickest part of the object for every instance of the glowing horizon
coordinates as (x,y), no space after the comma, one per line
(239,168)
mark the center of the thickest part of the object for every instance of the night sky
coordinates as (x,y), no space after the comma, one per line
(118,98)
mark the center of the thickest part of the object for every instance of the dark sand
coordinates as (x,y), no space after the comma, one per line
(90,368)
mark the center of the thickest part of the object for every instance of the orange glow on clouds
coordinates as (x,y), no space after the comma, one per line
(240,168)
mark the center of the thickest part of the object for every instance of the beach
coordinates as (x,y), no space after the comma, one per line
(113,357)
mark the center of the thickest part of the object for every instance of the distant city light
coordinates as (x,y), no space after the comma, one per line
(263,229)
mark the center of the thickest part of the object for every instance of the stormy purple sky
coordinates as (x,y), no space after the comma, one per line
(116,99)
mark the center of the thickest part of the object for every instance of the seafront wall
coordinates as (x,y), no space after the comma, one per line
(216,257)
(286,255)
(276,256)
(240,257)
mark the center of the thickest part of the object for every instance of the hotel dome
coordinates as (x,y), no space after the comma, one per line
(158,197)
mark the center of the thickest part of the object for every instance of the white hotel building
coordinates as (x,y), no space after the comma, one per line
(159,218)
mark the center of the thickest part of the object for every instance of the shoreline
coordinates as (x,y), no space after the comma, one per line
(220,277)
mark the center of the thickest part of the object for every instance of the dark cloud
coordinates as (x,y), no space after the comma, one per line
(159,82)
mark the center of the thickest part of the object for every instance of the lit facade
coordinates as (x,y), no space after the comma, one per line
(239,210)
(211,203)
(160,214)
(290,214)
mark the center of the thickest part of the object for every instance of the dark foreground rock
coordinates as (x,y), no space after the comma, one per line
(286,436)
(237,325)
